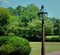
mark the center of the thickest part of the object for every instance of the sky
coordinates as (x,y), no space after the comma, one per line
(51,6)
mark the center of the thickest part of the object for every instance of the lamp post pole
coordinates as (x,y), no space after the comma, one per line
(43,40)
(43,34)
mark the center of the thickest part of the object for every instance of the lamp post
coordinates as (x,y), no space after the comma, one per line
(43,38)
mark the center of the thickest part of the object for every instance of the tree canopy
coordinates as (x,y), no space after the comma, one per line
(23,21)
(4,20)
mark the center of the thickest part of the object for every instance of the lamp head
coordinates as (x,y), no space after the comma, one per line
(42,11)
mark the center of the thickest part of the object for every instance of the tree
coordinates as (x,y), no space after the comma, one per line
(35,28)
(59,30)
(4,20)
(11,10)
(36,24)
(33,10)
(56,26)
(49,27)
(18,10)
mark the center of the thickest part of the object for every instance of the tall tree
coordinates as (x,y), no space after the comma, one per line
(4,20)
(11,10)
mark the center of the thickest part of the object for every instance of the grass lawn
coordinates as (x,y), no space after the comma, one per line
(49,47)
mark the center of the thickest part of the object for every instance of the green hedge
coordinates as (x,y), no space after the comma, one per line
(14,46)
(54,39)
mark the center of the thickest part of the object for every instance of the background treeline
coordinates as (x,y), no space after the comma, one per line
(24,22)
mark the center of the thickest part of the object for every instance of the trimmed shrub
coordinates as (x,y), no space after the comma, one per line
(54,39)
(48,39)
(14,46)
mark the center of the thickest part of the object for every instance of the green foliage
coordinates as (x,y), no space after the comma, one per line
(56,23)
(49,27)
(54,39)
(4,16)
(4,20)
(14,45)
(34,29)
(36,24)
(11,34)
(11,10)
(24,22)
(59,30)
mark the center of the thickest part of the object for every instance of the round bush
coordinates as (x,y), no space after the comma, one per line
(14,46)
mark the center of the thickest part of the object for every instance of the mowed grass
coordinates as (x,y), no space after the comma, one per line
(49,47)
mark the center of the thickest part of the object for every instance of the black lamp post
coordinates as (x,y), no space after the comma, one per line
(43,38)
